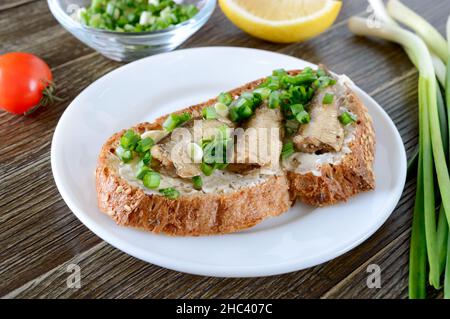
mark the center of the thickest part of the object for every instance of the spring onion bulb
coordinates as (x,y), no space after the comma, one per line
(428,33)
(439,69)
(383,16)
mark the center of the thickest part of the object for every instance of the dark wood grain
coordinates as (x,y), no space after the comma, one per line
(8,4)
(40,236)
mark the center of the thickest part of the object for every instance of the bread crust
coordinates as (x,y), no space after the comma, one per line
(353,175)
(208,214)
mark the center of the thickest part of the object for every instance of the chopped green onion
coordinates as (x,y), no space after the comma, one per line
(170,123)
(124,155)
(147,158)
(323,82)
(273,83)
(241,108)
(221,109)
(296,108)
(175,120)
(234,115)
(274,99)
(279,72)
(321,72)
(151,180)
(245,111)
(206,169)
(307,77)
(263,92)
(143,170)
(198,182)
(129,140)
(209,113)
(303,117)
(328,98)
(170,192)
(346,118)
(225,98)
(144,145)
(247,95)
(256,100)
(287,150)
(135,15)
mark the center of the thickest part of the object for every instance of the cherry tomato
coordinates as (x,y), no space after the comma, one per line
(25,82)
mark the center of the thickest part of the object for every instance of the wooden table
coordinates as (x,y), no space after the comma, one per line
(40,236)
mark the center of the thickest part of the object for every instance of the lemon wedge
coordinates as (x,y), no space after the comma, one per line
(283,21)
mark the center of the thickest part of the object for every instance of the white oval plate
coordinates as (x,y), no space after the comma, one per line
(146,89)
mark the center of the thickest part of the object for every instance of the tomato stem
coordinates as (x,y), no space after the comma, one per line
(48,97)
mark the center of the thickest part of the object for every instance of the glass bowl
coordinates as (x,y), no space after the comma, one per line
(129,46)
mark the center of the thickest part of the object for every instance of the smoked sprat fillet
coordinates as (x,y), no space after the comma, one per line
(226,212)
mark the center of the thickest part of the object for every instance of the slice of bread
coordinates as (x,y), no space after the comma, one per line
(208,213)
(189,215)
(352,175)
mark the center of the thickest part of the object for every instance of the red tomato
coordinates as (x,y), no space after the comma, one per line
(23,79)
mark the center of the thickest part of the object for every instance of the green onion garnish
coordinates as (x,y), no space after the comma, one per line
(144,145)
(247,95)
(221,109)
(147,158)
(328,98)
(287,150)
(225,98)
(124,155)
(279,72)
(135,15)
(143,170)
(151,180)
(347,118)
(209,113)
(321,72)
(175,120)
(129,140)
(206,169)
(245,111)
(234,115)
(263,92)
(274,99)
(170,192)
(274,83)
(296,108)
(198,182)
(303,117)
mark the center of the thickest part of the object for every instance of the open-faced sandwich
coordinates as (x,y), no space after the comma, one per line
(227,164)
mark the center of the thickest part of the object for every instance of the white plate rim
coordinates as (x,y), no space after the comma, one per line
(205,269)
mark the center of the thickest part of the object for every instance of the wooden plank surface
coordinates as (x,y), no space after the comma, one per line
(40,236)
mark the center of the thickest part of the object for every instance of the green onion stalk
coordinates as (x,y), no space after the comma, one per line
(430,144)
(439,54)
(447,99)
